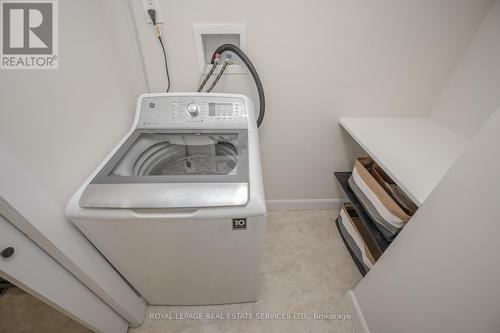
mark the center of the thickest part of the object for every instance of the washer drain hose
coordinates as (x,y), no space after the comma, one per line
(236,50)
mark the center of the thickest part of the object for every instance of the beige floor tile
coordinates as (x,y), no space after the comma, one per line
(306,269)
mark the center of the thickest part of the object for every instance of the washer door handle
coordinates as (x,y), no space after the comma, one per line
(7,252)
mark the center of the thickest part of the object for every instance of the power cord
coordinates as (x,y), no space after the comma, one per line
(152,14)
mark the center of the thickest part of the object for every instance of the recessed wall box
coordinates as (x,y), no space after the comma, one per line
(208,37)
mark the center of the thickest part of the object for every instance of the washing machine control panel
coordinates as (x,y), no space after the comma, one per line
(192,112)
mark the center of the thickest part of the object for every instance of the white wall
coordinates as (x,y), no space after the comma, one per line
(320,60)
(441,273)
(60,124)
(473,92)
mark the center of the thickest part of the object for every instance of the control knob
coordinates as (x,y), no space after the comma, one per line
(193,109)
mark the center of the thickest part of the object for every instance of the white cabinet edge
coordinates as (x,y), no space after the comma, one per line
(34,271)
(25,203)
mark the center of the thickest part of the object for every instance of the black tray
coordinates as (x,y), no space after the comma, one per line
(373,232)
(354,258)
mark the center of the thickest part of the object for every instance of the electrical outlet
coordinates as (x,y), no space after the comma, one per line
(152,4)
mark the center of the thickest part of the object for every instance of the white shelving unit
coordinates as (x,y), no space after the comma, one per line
(415,152)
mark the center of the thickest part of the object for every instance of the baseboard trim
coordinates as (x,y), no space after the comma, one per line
(357,319)
(304,204)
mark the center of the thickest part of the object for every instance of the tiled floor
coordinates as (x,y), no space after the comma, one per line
(22,313)
(306,269)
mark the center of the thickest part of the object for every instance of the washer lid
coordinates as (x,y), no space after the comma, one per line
(155,195)
(171,169)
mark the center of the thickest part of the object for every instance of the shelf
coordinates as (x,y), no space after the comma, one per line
(415,152)
(375,234)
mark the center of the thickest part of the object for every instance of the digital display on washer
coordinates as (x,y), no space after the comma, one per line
(220,109)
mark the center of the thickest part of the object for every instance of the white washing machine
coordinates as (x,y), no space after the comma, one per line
(178,206)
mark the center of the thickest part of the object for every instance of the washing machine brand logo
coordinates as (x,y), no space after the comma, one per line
(239,224)
(29,34)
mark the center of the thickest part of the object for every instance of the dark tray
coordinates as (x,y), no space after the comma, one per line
(373,232)
(354,258)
